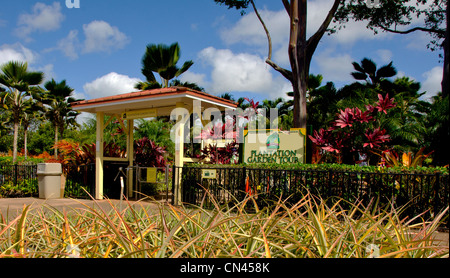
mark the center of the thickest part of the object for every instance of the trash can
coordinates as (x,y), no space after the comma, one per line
(49,180)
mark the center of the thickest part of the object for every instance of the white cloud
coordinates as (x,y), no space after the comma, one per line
(47,70)
(335,67)
(242,73)
(102,37)
(110,84)
(16,52)
(69,45)
(432,83)
(249,30)
(197,78)
(385,55)
(44,18)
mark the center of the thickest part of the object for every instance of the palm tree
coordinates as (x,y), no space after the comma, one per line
(20,85)
(32,113)
(163,60)
(367,71)
(58,110)
(190,85)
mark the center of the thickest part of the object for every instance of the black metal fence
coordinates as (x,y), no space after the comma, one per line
(18,180)
(22,181)
(80,181)
(419,192)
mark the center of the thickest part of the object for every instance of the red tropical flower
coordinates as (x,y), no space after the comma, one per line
(385,103)
(345,118)
(376,137)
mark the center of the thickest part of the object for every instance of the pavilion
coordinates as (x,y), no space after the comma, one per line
(147,104)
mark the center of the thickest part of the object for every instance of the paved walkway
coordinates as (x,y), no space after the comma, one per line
(14,206)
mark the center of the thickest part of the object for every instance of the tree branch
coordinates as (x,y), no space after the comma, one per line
(287,6)
(313,41)
(265,29)
(436,31)
(286,73)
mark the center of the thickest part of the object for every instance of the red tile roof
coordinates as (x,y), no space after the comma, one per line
(153,93)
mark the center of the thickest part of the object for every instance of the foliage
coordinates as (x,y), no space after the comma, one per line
(157,131)
(404,17)
(149,154)
(72,154)
(20,84)
(161,59)
(24,188)
(212,154)
(309,229)
(331,167)
(437,132)
(58,109)
(368,71)
(408,159)
(353,131)
(394,15)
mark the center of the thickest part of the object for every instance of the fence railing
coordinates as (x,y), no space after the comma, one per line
(22,181)
(18,180)
(80,181)
(419,192)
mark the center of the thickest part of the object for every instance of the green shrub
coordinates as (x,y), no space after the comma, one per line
(24,188)
(330,167)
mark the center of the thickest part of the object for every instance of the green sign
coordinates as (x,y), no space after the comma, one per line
(274,146)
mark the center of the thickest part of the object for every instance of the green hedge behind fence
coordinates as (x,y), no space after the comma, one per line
(330,167)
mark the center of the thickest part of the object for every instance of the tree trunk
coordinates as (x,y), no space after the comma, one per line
(25,135)
(298,59)
(445,75)
(56,141)
(15,140)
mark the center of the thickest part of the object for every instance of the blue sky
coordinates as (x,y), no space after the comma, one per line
(98,47)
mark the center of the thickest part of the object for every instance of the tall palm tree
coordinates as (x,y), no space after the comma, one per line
(19,84)
(161,59)
(32,113)
(59,111)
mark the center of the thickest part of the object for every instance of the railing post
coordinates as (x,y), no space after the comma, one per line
(244,177)
(173,183)
(436,193)
(16,173)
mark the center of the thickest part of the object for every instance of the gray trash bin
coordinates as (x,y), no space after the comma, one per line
(49,180)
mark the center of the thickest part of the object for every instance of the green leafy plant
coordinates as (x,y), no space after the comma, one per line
(391,158)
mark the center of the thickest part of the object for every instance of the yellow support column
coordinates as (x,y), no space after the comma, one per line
(130,156)
(99,157)
(179,151)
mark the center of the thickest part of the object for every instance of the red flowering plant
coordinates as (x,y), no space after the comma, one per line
(354,132)
(148,154)
(230,131)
